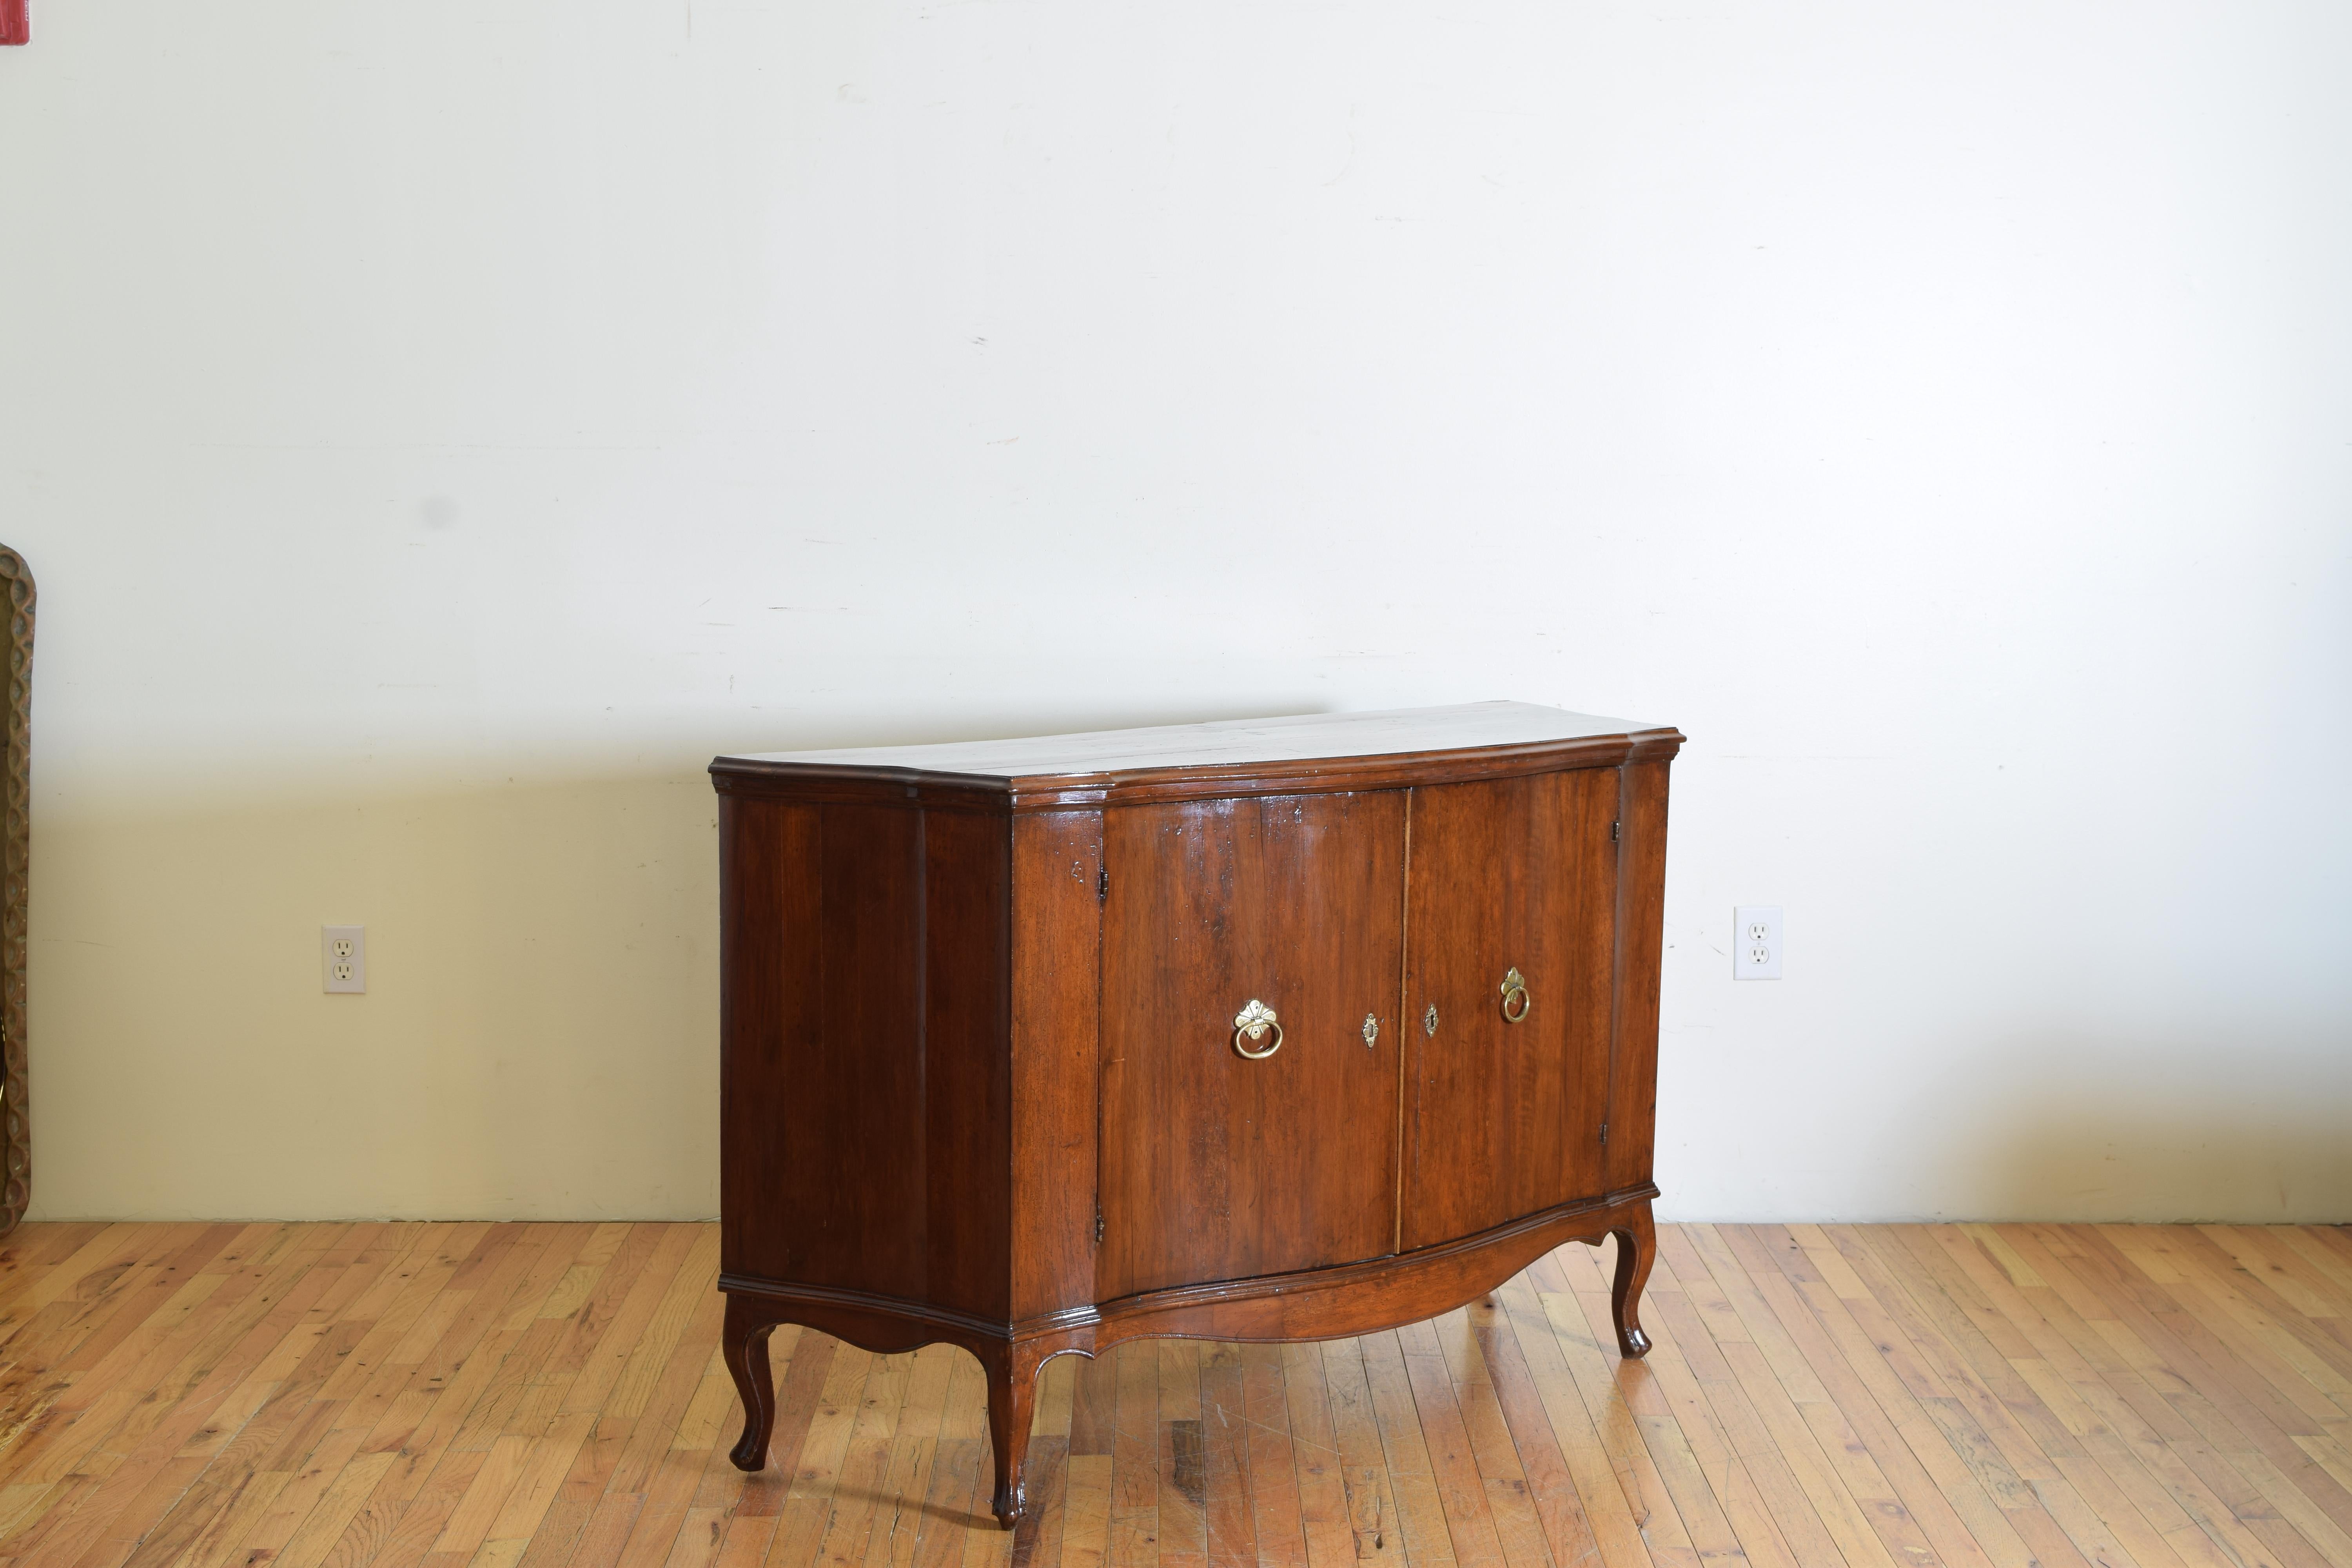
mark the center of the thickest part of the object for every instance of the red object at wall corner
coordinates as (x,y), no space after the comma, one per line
(16,27)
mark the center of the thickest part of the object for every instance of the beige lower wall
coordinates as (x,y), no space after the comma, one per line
(538,1037)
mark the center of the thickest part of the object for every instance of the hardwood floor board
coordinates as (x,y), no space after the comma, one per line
(1224,1462)
(1038,1538)
(914,1452)
(1324,1517)
(2271,1357)
(2263,1329)
(102,1260)
(610,1524)
(1463,1339)
(1086,1519)
(604,1315)
(148,1371)
(2215,1398)
(1270,1461)
(1180,1477)
(2187,1446)
(473,1396)
(865,1462)
(1698,1370)
(1559,1506)
(1871,1400)
(653,1531)
(1133,1537)
(1609,1390)
(317,1533)
(1412,1475)
(2318,1258)
(1792,1438)
(1373,1521)
(1094,1398)
(955,1507)
(2127,1422)
(1611,1513)
(1453,1457)
(800,1382)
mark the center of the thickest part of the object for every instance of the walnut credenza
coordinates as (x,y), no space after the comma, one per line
(1276,1030)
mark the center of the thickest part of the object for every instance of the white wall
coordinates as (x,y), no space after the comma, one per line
(437,428)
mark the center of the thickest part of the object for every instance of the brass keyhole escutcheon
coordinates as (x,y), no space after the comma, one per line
(1371,1030)
(1255,1020)
(1515,997)
(1429,1020)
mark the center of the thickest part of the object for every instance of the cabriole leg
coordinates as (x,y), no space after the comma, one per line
(1637,1244)
(745,1343)
(1011,1405)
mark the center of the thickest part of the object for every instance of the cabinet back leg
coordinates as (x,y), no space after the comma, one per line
(745,1342)
(1637,1244)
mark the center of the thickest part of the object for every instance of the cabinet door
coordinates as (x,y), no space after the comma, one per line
(1216,1167)
(1502,1117)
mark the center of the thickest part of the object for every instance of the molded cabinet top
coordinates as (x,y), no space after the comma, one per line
(1246,756)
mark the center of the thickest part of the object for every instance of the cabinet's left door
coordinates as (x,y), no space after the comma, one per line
(1219,1162)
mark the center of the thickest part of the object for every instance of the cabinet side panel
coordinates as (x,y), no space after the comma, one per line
(1056,973)
(966,1072)
(823,1154)
(767,996)
(1641,944)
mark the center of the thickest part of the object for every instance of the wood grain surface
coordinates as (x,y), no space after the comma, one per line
(551,1396)
(1216,1167)
(1504,1118)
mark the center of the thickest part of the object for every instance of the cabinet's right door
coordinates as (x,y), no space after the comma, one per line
(1511,896)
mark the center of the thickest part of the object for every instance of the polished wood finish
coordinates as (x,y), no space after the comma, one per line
(1504,1118)
(432,1396)
(1216,1167)
(981,1083)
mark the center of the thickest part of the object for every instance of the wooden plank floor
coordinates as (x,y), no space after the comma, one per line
(551,1396)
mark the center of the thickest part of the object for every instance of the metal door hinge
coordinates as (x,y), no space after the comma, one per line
(1099,1227)
(1616,831)
(1102,884)
(1605,1138)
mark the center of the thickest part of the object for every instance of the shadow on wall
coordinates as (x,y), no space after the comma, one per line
(2093,1132)
(2271,1173)
(538,1039)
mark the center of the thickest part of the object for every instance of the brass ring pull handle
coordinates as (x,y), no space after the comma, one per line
(1255,1020)
(1515,996)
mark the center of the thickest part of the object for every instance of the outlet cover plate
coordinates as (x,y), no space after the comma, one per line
(342,952)
(1756,942)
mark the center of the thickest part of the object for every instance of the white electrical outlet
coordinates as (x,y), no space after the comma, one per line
(1756,942)
(345,950)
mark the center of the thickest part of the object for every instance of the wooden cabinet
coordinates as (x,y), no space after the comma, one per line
(1278,1029)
